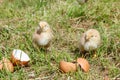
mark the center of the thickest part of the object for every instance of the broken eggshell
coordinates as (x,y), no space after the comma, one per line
(19,58)
(67,66)
(7,65)
(83,63)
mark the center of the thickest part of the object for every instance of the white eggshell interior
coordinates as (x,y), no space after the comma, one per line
(20,55)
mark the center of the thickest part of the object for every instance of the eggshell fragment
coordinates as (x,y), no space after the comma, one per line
(7,65)
(19,58)
(83,64)
(67,66)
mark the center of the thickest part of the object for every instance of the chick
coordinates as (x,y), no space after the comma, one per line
(43,35)
(90,40)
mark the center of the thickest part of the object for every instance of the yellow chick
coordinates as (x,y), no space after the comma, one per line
(43,35)
(90,40)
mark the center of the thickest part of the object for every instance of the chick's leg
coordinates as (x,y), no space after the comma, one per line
(94,54)
(47,48)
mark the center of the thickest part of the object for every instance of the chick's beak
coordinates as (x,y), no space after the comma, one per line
(39,30)
(86,38)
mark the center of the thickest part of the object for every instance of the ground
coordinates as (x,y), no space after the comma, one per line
(68,19)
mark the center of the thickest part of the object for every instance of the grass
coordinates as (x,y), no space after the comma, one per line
(68,19)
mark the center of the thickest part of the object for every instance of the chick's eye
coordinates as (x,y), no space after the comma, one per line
(92,36)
